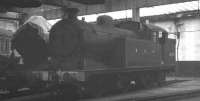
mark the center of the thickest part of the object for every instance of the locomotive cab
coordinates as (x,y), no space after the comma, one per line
(153,34)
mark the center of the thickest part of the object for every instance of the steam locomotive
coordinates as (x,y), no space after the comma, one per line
(91,59)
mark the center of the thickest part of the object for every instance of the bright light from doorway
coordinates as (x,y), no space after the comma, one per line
(115,15)
(93,17)
(169,9)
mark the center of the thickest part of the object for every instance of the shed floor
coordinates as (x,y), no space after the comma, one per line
(187,87)
(191,85)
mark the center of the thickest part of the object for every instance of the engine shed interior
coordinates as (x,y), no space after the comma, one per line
(73,58)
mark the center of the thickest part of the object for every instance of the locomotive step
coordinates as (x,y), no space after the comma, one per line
(188,88)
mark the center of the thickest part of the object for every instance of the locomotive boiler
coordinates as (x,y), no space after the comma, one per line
(95,59)
(89,46)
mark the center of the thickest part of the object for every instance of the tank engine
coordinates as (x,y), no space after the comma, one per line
(95,59)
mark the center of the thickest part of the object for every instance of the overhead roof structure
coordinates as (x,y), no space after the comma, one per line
(110,5)
(90,2)
(20,3)
(149,11)
(87,7)
(140,3)
(65,2)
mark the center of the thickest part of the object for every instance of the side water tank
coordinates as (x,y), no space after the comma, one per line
(81,44)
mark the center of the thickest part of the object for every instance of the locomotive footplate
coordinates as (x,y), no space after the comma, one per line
(85,74)
(100,82)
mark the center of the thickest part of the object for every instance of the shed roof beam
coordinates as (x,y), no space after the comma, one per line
(110,5)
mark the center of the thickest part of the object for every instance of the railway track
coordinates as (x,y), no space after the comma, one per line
(169,92)
(35,97)
(170,97)
(173,97)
